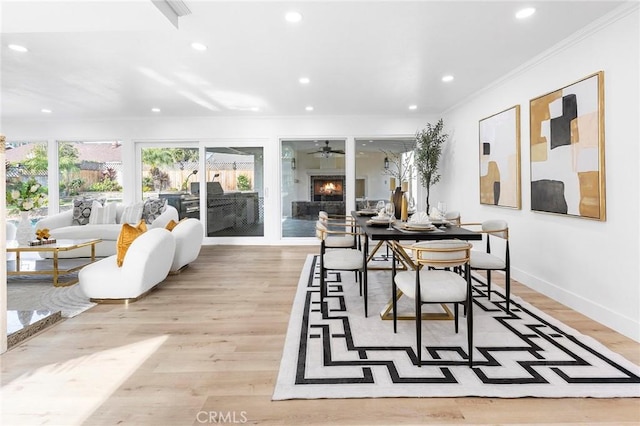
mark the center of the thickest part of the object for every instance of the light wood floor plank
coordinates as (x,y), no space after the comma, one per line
(224,319)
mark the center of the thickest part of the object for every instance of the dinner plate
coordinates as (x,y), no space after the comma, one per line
(378,222)
(366,212)
(418,226)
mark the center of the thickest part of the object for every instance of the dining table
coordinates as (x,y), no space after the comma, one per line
(399,238)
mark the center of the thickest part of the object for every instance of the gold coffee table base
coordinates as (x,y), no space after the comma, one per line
(55,271)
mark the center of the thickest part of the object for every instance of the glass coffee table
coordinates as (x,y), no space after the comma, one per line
(45,266)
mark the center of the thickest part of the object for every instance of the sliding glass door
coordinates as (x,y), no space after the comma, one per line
(312,180)
(234,178)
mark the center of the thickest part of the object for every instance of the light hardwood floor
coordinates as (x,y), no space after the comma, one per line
(208,342)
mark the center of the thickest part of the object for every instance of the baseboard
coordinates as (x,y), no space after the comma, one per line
(605,316)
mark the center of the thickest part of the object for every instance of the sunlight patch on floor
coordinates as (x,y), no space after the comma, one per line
(69,392)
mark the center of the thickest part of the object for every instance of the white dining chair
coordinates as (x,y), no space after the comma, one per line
(488,260)
(344,259)
(434,282)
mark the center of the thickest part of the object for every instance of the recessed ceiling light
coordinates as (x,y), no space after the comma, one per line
(293,16)
(155,109)
(18,48)
(45,110)
(309,108)
(198,46)
(304,80)
(525,13)
(412,107)
(447,78)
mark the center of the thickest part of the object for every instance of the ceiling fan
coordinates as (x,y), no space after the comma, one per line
(326,151)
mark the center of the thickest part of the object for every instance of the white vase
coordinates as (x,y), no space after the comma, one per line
(24,233)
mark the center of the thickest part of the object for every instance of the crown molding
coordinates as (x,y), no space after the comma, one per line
(594,27)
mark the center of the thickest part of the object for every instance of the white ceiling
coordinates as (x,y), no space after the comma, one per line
(118,59)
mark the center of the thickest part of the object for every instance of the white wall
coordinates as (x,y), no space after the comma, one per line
(588,265)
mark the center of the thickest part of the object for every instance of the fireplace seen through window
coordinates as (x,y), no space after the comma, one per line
(327,188)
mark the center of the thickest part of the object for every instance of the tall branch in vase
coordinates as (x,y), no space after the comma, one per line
(429,142)
(400,164)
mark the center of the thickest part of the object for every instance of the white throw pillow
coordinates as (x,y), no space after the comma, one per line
(101,215)
(132,213)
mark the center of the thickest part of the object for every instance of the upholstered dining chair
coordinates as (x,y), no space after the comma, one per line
(339,240)
(343,259)
(335,217)
(486,260)
(430,283)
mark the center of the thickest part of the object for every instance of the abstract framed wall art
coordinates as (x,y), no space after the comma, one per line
(499,137)
(567,150)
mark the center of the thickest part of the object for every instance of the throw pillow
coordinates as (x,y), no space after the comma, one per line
(82,210)
(153,208)
(132,213)
(172,224)
(102,214)
(128,234)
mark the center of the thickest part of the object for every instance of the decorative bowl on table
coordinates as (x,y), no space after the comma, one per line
(441,222)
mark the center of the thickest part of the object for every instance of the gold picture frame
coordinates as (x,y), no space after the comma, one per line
(567,150)
(499,138)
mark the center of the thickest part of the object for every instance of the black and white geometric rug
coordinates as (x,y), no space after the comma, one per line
(525,353)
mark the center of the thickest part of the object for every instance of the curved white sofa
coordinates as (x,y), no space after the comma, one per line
(188,234)
(146,264)
(60,226)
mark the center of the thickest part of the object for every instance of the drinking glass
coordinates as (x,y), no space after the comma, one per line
(390,210)
(442,210)
(380,206)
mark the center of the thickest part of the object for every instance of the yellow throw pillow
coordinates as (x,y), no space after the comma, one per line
(172,224)
(128,233)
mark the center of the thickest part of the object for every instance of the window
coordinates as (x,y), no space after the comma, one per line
(89,169)
(235,191)
(26,161)
(168,169)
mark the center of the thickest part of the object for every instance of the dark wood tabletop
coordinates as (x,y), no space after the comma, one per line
(381,233)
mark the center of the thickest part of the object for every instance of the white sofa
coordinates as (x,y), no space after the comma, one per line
(60,226)
(145,265)
(188,234)
(11,235)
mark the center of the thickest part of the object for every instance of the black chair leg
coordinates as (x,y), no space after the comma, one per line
(489,284)
(394,303)
(507,287)
(419,332)
(455,313)
(366,291)
(470,332)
